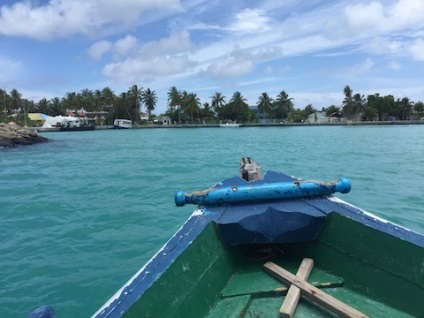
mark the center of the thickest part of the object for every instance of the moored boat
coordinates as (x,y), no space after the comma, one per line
(66,123)
(277,246)
(83,127)
(229,124)
(122,124)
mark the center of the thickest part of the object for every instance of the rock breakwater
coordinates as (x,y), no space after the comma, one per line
(14,135)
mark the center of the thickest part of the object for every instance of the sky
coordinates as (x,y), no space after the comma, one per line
(309,49)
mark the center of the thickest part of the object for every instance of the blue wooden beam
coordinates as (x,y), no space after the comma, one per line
(252,192)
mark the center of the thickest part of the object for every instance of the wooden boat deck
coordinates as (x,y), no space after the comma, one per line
(253,293)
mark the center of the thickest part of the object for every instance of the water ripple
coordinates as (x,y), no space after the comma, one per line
(88,209)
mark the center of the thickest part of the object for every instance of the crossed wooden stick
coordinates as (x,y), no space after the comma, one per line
(299,285)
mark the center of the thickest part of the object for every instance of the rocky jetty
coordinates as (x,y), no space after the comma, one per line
(14,135)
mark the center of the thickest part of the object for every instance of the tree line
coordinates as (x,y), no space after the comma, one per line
(186,107)
(377,108)
(103,102)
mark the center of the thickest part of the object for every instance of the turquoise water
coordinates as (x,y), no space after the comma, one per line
(80,215)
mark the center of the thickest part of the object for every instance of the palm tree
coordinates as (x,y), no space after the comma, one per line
(174,97)
(44,107)
(218,100)
(97,105)
(283,105)
(264,104)
(98,100)
(109,99)
(134,100)
(122,109)
(15,100)
(406,105)
(238,103)
(360,102)
(191,104)
(181,112)
(149,99)
(206,113)
(17,104)
(3,97)
(70,101)
(55,106)
(419,108)
(108,96)
(30,106)
(348,102)
(381,105)
(175,100)
(309,110)
(86,99)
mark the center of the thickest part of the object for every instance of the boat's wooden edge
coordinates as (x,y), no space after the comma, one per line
(335,204)
(124,298)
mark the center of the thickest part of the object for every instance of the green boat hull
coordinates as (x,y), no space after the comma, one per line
(372,271)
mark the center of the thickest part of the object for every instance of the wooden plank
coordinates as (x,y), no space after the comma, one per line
(253,280)
(292,298)
(313,293)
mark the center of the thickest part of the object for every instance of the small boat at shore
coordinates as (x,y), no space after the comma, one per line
(277,246)
(82,127)
(122,124)
(66,123)
(230,124)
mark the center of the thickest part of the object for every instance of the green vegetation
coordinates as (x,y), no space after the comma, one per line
(378,108)
(186,108)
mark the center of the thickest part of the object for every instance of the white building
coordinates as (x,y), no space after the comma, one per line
(317,118)
(321,118)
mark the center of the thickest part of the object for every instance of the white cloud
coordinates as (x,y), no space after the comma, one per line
(121,48)
(55,19)
(361,68)
(176,43)
(368,17)
(360,20)
(238,61)
(353,26)
(417,50)
(250,20)
(383,46)
(406,13)
(165,57)
(133,69)
(125,45)
(361,26)
(230,66)
(63,18)
(99,48)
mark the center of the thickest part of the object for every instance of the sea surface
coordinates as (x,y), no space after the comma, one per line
(81,214)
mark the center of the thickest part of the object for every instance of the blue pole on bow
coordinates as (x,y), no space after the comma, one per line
(262,192)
